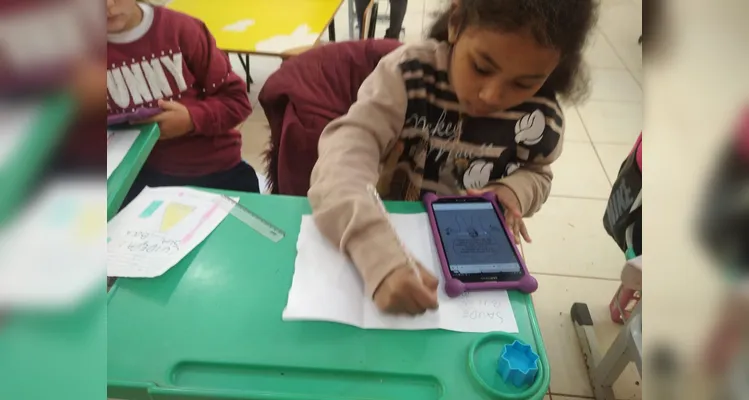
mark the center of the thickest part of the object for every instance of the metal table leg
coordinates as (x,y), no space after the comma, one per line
(373,21)
(246,65)
(331,30)
(351,20)
(604,370)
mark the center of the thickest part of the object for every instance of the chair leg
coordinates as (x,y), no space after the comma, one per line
(331,31)
(246,66)
(351,18)
(372,21)
(604,369)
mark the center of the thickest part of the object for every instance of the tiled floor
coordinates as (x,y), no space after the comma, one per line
(571,255)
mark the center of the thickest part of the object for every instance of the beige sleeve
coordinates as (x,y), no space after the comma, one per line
(531,183)
(350,151)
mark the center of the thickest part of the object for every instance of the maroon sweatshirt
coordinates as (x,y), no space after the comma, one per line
(172,56)
(29,66)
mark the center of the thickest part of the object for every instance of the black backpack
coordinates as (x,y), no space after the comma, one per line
(623,216)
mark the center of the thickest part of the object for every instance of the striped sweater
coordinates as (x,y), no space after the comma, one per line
(406,133)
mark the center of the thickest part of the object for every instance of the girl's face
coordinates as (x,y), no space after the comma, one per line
(122,15)
(492,71)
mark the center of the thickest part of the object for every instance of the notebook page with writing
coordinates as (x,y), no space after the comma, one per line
(326,286)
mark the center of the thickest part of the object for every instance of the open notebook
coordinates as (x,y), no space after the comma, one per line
(327,287)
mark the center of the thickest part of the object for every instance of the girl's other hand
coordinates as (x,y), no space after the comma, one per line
(174,121)
(403,292)
(511,204)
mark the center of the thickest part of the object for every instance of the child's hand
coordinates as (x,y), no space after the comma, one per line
(511,204)
(402,292)
(174,121)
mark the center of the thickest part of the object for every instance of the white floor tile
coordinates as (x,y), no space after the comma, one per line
(236,65)
(621,23)
(569,239)
(261,67)
(553,300)
(612,156)
(413,24)
(612,122)
(638,74)
(630,53)
(255,140)
(600,54)
(342,24)
(578,173)
(614,85)
(436,6)
(574,130)
(620,20)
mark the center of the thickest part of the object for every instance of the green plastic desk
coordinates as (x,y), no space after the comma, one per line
(122,178)
(22,169)
(211,328)
(55,355)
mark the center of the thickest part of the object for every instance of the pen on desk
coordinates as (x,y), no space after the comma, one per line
(376,196)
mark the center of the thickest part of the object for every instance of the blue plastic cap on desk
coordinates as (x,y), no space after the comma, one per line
(518,364)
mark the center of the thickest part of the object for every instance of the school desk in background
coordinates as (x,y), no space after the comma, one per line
(127,151)
(211,328)
(262,27)
(30,132)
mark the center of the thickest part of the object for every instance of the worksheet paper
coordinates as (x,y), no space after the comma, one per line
(159,228)
(18,119)
(50,253)
(327,287)
(119,143)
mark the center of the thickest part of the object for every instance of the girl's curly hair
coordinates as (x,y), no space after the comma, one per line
(560,24)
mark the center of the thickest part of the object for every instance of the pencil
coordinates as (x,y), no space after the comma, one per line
(376,196)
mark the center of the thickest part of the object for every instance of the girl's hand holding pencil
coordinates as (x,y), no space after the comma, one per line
(406,292)
(409,289)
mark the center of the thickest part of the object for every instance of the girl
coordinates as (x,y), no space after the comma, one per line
(472,109)
(161,58)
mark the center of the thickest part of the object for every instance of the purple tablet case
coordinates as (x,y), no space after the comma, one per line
(454,287)
(135,116)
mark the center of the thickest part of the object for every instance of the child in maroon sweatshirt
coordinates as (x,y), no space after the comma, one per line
(162,58)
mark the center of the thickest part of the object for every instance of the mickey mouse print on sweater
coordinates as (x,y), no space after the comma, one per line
(530,130)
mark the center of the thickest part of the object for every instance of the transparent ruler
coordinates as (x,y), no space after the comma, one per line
(252,220)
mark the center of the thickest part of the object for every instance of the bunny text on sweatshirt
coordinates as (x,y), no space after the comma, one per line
(172,56)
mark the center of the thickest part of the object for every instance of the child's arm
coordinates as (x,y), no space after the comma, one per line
(531,182)
(225,103)
(350,150)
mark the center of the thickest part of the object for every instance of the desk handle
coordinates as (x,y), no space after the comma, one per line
(161,393)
